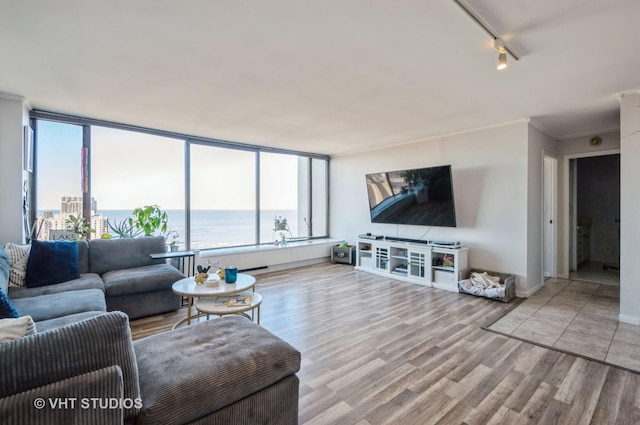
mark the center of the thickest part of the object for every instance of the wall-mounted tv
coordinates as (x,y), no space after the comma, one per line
(421,196)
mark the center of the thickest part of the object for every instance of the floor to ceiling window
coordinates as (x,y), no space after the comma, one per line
(217,194)
(58,182)
(222,197)
(280,196)
(132,170)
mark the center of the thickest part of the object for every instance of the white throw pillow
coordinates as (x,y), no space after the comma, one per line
(12,329)
(18,257)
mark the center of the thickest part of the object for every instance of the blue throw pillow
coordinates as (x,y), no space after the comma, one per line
(52,262)
(7,309)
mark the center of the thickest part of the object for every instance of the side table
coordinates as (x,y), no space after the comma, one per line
(188,287)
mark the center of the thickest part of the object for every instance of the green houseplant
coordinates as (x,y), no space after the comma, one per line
(149,220)
(79,226)
(124,229)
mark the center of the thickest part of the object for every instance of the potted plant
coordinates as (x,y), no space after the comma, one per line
(123,229)
(79,226)
(172,240)
(280,223)
(149,220)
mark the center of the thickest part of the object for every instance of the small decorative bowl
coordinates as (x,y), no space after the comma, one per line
(201,278)
(212,281)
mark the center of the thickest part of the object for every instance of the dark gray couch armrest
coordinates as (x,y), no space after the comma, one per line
(47,357)
(77,400)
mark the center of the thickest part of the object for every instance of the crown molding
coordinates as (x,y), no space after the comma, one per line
(428,138)
(627,93)
(10,96)
(589,133)
(542,128)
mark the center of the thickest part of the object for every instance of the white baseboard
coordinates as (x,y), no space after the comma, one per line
(527,294)
(633,320)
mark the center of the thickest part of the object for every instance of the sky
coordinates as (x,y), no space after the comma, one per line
(130,170)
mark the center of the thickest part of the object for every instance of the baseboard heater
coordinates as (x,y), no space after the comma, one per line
(253,269)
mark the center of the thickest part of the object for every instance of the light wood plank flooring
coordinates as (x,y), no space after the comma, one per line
(379,351)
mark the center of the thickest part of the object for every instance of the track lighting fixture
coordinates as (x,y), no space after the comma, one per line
(502,48)
(502,54)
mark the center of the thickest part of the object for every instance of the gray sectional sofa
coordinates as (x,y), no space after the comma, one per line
(115,274)
(223,371)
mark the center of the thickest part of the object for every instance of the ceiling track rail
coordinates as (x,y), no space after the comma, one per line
(486,27)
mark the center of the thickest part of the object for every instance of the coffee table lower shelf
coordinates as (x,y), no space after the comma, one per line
(218,306)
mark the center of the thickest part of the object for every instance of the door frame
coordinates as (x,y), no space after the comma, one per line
(567,231)
(550,222)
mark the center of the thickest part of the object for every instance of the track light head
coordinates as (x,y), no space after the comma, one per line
(502,60)
(502,54)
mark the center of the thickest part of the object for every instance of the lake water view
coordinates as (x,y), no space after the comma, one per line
(218,228)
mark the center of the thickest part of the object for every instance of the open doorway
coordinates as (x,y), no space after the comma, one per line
(595,218)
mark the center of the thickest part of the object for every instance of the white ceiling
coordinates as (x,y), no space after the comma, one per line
(324,76)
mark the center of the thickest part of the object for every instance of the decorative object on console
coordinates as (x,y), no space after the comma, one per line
(447,260)
(370,236)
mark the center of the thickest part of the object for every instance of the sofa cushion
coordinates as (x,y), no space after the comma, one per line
(62,353)
(11,329)
(51,306)
(117,254)
(139,280)
(231,358)
(18,257)
(83,256)
(45,325)
(7,308)
(86,281)
(52,262)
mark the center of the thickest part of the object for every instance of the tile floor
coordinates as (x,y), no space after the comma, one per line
(577,317)
(593,271)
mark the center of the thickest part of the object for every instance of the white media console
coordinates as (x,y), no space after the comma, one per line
(437,266)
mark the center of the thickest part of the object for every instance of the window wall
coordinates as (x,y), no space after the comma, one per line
(131,170)
(216,193)
(223,197)
(58,178)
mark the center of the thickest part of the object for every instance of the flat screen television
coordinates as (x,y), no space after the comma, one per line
(421,196)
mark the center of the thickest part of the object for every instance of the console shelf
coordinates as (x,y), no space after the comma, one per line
(433,266)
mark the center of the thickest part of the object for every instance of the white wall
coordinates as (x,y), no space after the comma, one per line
(490,176)
(629,207)
(13,115)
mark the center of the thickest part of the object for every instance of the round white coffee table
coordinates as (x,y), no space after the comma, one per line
(219,305)
(188,287)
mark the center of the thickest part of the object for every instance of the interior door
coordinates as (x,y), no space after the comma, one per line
(549,215)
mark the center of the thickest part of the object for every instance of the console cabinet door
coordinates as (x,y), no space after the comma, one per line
(381,258)
(418,266)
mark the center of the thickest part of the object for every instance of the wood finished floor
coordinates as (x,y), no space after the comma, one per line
(379,351)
